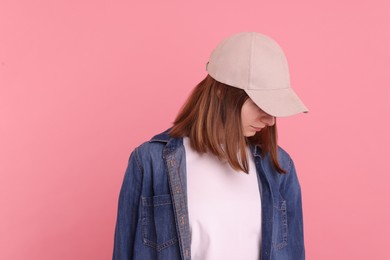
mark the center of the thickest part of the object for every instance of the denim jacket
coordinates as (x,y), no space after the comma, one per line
(152,220)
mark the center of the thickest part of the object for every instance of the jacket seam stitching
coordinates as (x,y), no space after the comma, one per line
(138,161)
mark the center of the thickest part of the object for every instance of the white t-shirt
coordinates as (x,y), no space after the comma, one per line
(224,208)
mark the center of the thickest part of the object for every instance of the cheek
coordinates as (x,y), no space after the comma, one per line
(244,118)
(245,113)
(248,117)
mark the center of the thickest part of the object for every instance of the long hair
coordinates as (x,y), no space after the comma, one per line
(211,118)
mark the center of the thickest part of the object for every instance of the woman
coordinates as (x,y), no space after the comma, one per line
(216,185)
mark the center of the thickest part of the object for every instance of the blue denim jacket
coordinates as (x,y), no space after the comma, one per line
(152,220)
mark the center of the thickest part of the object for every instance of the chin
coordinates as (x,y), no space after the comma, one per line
(249,134)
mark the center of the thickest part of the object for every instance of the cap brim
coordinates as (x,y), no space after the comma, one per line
(278,102)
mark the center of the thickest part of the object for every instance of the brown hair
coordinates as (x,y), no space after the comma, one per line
(210,117)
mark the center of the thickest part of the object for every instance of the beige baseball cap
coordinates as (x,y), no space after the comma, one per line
(255,63)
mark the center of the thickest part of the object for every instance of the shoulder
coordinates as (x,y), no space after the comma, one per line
(290,179)
(154,145)
(285,159)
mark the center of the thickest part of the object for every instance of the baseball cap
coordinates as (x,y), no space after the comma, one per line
(256,63)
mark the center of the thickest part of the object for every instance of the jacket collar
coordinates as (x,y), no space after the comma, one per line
(162,137)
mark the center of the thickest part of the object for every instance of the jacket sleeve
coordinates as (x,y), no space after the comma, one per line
(293,198)
(127,215)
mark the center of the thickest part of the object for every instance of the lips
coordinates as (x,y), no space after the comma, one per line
(257,128)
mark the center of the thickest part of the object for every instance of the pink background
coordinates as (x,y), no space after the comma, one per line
(84,82)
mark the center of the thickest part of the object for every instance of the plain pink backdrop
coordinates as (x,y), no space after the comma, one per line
(84,82)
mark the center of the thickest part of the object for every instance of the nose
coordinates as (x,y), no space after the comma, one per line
(268,119)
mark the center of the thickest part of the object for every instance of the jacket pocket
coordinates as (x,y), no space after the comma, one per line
(158,222)
(280,225)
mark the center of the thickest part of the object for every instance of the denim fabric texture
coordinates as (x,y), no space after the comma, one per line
(152,219)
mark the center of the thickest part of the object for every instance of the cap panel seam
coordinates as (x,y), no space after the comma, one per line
(251,62)
(285,67)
